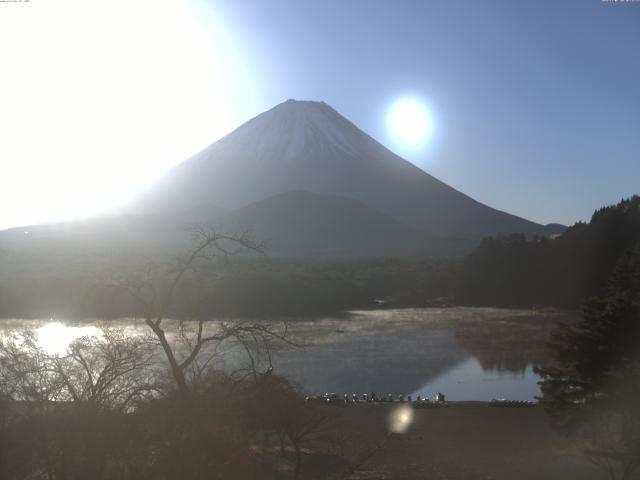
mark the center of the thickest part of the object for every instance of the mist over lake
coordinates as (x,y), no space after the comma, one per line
(468,353)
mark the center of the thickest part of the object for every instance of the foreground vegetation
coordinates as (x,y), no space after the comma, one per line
(103,411)
(246,426)
(592,390)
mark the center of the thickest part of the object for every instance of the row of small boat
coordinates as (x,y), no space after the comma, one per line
(355,399)
(501,402)
(418,402)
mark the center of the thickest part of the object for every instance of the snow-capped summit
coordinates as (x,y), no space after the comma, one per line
(290,129)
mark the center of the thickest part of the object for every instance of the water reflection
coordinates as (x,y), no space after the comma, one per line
(55,337)
(506,344)
(468,353)
(382,359)
(470,381)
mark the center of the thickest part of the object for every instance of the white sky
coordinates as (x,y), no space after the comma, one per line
(97,98)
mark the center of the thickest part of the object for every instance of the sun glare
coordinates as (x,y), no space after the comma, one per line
(98,98)
(54,337)
(409,122)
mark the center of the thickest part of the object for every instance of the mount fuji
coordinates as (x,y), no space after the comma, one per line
(306,180)
(308,146)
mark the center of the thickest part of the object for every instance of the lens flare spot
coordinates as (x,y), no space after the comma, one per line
(400,419)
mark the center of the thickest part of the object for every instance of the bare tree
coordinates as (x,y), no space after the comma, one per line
(156,290)
(601,443)
(354,448)
(110,370)
(28,378)
(302,423)
(276,406)
(69,407)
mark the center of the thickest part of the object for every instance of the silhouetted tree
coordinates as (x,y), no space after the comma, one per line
(595,386)
(515,271)
(66,410)
(159,290)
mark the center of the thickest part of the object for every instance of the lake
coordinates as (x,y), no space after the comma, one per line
(466,353)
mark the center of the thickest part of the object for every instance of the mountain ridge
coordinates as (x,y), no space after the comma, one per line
(294,224)
(304,176)
(301,223)
(304,145)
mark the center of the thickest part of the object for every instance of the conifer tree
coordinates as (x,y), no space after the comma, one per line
(594,387)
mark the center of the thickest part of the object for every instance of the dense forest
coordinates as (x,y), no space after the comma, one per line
(515,271)
(75,288)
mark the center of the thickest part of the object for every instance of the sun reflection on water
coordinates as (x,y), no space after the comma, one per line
(55,337)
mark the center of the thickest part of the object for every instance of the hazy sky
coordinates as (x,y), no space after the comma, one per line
(535,104)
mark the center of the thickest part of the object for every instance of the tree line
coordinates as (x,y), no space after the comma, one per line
(67,287)
(514,271)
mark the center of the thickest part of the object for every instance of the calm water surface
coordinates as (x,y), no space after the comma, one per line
(467,353)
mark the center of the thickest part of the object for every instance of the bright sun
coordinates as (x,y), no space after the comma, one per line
(98,98)
(409,122)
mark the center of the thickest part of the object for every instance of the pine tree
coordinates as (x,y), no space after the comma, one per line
(595,385)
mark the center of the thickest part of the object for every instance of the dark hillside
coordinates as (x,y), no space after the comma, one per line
(304,224)
(514,271)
